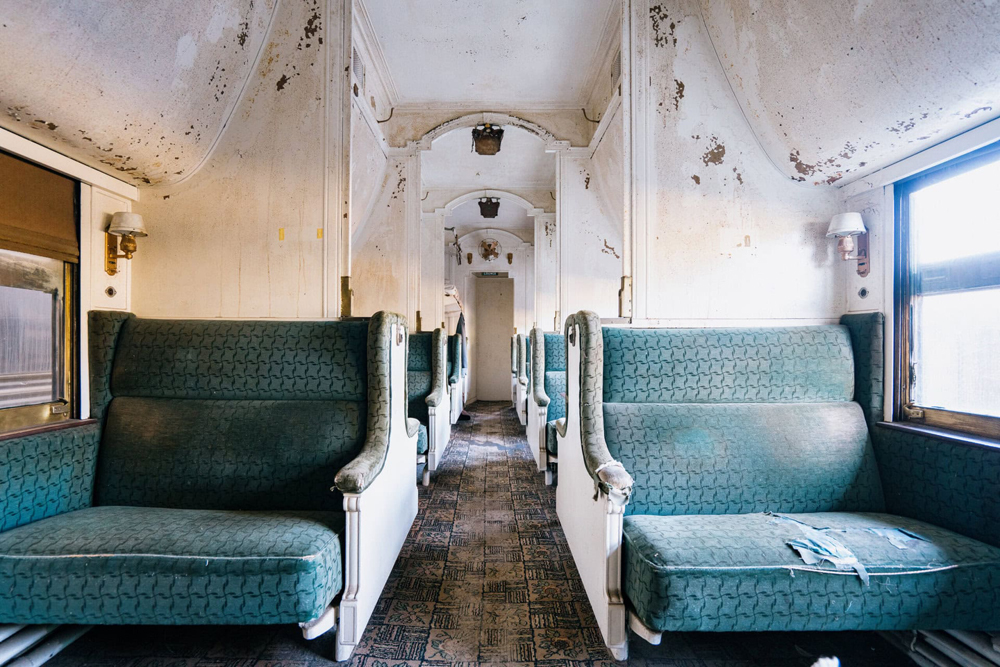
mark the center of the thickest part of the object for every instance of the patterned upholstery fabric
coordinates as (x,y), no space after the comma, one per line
(555,389)
(236,455)
(609,475)
(134,565)
(47,474)
(257,360)
(695,458)
(103,328)
(947,484)
(357,475)
(551,441)
(952,485)
(737,573)
(418,388)
(537,363)
(454,359)
(422,441)
(555,352)
(802,364)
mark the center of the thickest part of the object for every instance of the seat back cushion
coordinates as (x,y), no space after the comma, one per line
(555,352)
(728,458)
(233,414)
(418,374)
(235,455)
(792,364)
(555,389)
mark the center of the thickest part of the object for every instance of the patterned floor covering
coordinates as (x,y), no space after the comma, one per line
(485,577)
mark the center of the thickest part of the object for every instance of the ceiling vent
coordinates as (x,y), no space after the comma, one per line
(358,68)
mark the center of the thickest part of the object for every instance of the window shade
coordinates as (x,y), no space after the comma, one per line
(37,211)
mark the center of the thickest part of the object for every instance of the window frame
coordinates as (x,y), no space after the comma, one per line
(903,408)
(27,417)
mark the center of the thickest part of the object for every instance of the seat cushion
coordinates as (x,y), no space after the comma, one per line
(551,438)
(143,565)
(422,445)
(738,572)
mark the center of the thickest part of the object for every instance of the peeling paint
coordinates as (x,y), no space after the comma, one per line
(678,93)
(715,154)
(663,32)
(697,179)
(609,250)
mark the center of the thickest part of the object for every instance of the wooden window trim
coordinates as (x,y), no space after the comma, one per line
(904,410)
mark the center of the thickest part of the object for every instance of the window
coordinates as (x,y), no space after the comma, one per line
(948,295)
(38,255)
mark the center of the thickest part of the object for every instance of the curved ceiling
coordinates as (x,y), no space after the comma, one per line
(138,90)
(475,51)
(466,218)
(836,90)
(521,163)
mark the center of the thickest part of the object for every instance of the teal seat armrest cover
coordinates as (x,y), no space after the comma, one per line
(422,440)
(737,573)
(537,362)
(357,475)
(956,486)
(47,473)
(454,358)
(439,376)
(607,473)
(141,565)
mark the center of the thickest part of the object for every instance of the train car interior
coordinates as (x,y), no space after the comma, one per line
(536,333)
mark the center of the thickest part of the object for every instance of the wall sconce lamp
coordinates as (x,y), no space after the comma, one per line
(128,226)
(844,227)
(510,258)
(468,256)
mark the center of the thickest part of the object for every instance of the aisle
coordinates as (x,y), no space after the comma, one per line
(486,575)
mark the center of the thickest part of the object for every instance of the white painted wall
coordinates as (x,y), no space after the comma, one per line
(720,234)
(432,262)
(256,231)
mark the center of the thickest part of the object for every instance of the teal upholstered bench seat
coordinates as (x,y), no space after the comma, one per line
(737,572)
(422,439)
(149,565)
(551,438)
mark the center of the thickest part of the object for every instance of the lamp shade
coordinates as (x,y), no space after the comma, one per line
(846,224)
(123,223)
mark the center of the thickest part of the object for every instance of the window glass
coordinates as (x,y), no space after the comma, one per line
(32,330)
(953,258)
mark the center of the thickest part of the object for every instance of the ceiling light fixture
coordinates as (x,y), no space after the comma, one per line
(489,207)
(486,139)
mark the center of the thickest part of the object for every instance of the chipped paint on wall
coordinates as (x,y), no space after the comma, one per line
(836,90)
(728,235)
(213,248)
(138,91)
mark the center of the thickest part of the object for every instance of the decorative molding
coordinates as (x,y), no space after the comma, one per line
(411,106)
(503,195)
(607,45)
(496,118)
(968,141)
(46,157)
(372,48)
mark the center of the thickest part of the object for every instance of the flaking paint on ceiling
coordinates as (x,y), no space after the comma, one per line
(836,90)
(139,90)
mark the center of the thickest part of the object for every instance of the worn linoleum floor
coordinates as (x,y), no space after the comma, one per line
(485,577)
